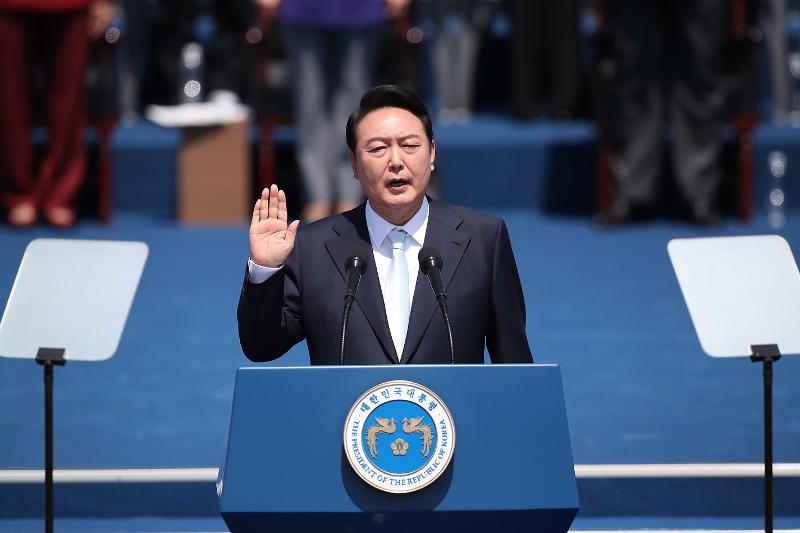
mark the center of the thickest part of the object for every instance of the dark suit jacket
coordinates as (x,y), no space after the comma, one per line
(304,299)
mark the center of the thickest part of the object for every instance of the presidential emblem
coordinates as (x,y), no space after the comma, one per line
(399,436)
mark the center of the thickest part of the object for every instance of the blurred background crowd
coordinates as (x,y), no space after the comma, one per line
(643,71)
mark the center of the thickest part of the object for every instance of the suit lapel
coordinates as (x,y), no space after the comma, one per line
(443,235)
(351,232)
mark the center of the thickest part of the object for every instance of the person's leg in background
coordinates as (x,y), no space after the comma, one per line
(307,50)
(697,102)
(173,27)
(455,56)
(467,61)
(17,192)
(64,165)
(526,60)
(563,57)
(228,64)
(635,104)
(356,68)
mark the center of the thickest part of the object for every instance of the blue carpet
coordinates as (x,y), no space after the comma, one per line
(606,306)
(603,305)
(102,525)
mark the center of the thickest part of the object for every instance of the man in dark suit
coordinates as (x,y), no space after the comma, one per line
(295,282)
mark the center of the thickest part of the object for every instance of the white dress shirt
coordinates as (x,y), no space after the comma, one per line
(379,229)
(382,251)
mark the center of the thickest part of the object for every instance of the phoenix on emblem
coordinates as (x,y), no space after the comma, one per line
(413,425)
(385,425)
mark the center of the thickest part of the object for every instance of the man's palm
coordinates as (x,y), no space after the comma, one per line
(271,236)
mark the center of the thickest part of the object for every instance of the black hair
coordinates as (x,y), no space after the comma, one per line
(388,96)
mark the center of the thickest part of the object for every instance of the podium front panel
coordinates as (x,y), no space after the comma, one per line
(286,467)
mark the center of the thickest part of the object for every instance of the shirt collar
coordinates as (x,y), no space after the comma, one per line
(379,228)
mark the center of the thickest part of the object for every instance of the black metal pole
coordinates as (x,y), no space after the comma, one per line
(768,510)
(48,446)
(767,354)
(47,357)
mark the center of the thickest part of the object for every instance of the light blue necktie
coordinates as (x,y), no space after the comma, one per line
(398,302)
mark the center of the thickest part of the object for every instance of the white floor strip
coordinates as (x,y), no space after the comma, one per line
(188,475)
(112,475)
(685,470)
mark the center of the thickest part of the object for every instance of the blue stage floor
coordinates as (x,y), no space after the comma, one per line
(605,305)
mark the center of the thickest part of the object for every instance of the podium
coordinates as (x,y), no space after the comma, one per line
(286,468)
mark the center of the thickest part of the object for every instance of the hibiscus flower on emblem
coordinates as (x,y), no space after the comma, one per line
(399,447)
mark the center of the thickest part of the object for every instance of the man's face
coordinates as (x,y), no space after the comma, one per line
(393,161)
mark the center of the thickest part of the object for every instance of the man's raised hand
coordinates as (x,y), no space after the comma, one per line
(271,236)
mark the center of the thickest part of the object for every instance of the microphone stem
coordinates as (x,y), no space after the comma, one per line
(443,305)
(348,303)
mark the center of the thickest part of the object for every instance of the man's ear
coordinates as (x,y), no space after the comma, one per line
(352,157)
(433,154)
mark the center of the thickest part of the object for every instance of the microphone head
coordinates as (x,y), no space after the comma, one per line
(429,257)
(358,259)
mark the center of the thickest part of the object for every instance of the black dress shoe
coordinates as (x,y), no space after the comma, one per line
(622,212)
(610,217)
(706,215)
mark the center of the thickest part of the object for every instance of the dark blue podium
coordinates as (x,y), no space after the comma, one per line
(286,470)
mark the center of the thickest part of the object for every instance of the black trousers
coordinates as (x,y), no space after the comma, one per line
(664,63)
(545,56)
(173,27)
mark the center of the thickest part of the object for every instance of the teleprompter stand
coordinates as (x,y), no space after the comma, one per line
(48,358)
(74,295)
(767,354)
(739,291)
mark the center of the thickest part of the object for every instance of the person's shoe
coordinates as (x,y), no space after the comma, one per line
(563,114)
(60,217)
(22,215)
(618,214)
(524,113)
(705,215)
(623,212)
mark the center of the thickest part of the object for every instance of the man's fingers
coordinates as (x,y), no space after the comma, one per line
(291,232)
(256,212)
(273,201)
(263,204)
(282,215)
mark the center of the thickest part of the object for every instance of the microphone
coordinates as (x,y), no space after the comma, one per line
(430,263)
(354,266)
